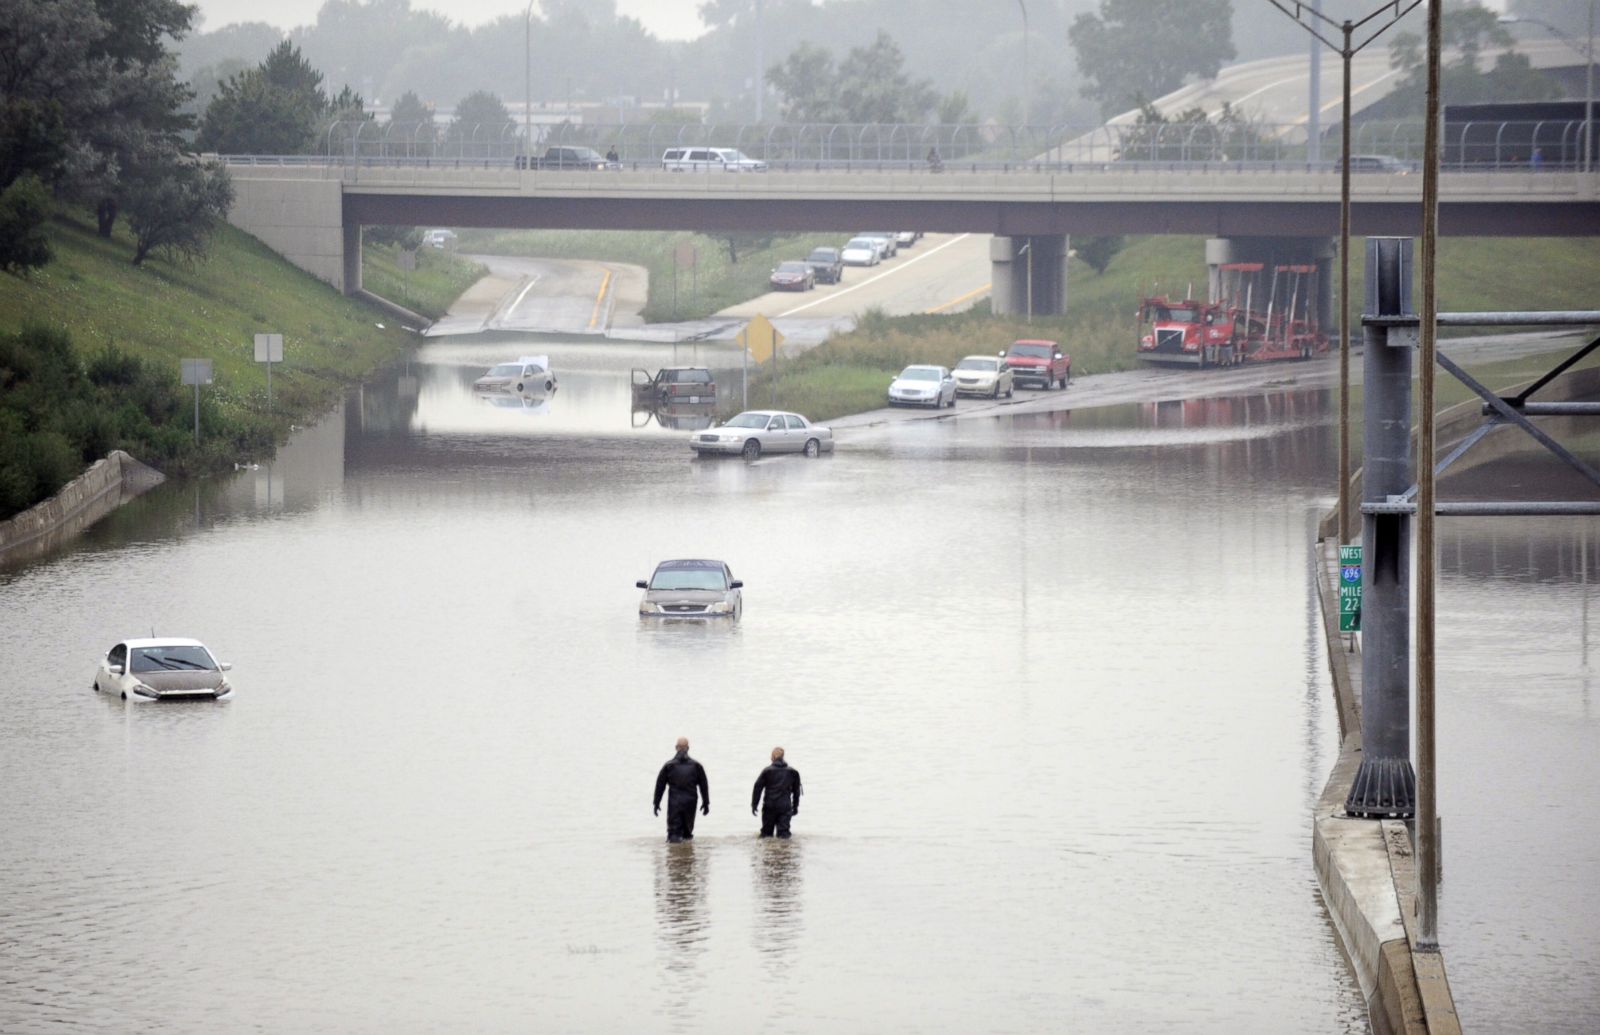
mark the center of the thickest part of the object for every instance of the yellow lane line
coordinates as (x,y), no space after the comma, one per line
(599,299)
(957,301)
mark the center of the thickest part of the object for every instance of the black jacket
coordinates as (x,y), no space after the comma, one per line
(684,775)
(782,786)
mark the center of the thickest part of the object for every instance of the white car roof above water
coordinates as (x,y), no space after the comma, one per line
(163,641)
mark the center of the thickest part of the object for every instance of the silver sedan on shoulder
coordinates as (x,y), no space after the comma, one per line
(754,432)
(921,385)
(984,375)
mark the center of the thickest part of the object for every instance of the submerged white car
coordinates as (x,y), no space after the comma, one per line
(530,374)
(921,385)
(754,432)
(165,669)
(692,589)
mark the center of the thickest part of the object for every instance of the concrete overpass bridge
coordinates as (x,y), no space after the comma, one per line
(312,210)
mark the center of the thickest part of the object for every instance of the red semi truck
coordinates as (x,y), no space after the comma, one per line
(1263,313)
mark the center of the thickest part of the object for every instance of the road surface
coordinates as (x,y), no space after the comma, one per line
(555,296)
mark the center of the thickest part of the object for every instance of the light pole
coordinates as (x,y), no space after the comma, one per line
(761,71)
(1025,84)
(1587,162)
(527,80)
(1347,51)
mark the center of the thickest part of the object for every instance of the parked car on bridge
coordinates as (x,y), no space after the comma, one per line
(695,589)
(528,375)
(793,276)
(861,251)
(984,375)
(922,385)
(764,431)
(586,158)
(162,669)
(1374,164)
(826,265)
(709,159)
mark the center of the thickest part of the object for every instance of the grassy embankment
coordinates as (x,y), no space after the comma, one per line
(715,284)
(93,345)
(849,373)
(438,280)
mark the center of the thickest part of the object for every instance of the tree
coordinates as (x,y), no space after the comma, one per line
(175,206)
(1097,252)
(273,108)
(1144,49)
(24,207)
(869,85)
(481,121)
(1465,32)
(411,124)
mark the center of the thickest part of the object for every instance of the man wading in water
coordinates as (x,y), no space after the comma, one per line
(782,787)
(685,776)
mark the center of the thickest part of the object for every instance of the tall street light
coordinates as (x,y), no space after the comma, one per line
(1025,85)
(1347,50)
(1587,53)
(761,71)
(527,79)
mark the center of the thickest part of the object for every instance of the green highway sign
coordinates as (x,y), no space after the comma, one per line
(1349,589)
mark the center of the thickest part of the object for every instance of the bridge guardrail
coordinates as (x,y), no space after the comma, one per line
(1235,143)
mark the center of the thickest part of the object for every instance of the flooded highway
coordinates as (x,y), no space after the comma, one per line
(1055,683)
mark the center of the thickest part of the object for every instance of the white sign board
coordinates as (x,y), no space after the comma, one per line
(196,371)
(269,348)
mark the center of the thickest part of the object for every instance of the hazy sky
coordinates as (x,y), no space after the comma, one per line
(669,19)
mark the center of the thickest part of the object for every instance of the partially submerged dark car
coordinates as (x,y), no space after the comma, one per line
(692,589)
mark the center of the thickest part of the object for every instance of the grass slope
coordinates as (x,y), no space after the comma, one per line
(162,312)
(438,280)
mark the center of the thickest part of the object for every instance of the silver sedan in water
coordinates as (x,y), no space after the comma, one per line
(754,432)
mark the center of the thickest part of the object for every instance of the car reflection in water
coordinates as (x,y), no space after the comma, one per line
(530,403)
(673,416)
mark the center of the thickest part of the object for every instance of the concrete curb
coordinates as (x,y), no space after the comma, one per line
(1362,865)
(104,487)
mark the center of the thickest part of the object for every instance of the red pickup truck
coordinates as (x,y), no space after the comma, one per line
(1038,361)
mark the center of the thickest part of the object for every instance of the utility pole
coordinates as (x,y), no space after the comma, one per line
(1347,50)
(1026,86)
(761,62)
(527,80)
(1314,99)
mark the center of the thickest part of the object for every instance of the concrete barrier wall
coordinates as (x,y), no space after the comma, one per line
(104,487)
(301,217)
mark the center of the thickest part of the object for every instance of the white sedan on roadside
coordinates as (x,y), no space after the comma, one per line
(754,432)
(165,669)
(921,385)
(861,251)
(984,375)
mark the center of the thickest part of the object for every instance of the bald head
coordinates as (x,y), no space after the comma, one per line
(777,753)
(683,743)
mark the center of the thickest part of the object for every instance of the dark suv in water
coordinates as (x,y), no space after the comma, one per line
(675,384)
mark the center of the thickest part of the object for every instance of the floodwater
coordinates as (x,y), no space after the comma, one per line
(1055,685)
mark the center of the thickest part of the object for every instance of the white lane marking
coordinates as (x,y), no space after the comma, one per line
(903,266)
(532,280)
(1270,86)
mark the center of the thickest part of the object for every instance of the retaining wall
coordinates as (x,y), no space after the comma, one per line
(104,487)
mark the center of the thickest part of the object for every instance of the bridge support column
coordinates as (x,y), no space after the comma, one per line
(352,258)
(1029,274)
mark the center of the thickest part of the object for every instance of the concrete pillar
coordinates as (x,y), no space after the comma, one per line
(1015,262)
(352,258)
(1385,785)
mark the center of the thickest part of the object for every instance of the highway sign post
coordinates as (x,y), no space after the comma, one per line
(1349,589)
(761,340)
(269,350)
(196,372)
